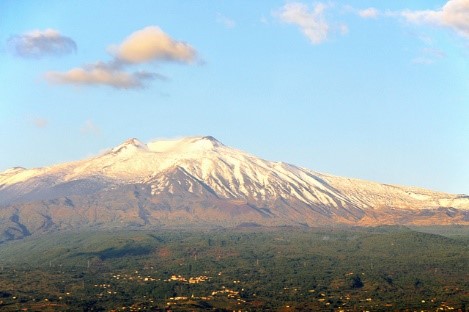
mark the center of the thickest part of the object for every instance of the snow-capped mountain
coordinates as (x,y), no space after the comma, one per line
(200,181)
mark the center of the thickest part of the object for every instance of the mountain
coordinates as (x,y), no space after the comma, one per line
(198,181)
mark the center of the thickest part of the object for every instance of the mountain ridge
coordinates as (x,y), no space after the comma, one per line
(199,180)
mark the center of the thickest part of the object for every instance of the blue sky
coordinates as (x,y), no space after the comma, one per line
(364,89)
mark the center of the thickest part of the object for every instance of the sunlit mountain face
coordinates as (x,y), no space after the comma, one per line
(198,181)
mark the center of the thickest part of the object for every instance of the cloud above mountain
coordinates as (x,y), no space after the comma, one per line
(152,44)
(454,15)
(41,43)
(39,122)
(90,128)
(225,21)
(141,48)
(312,23)
(368,13)
(103,74)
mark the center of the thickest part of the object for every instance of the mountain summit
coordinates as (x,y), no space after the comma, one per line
(201,182)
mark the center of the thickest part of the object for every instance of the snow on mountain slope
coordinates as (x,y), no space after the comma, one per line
(231,174)
(376,195)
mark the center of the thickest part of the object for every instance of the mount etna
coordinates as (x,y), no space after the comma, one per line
(198,181)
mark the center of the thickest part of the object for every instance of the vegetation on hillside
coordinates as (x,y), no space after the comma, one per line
(386,268)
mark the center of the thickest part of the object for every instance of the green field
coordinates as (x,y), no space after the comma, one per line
(353,269)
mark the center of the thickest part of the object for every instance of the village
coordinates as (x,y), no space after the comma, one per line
(139,290)
(120,281)
(231,297)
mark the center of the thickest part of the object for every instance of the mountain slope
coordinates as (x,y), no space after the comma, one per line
(200,181)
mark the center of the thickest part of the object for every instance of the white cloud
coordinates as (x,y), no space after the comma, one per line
(422,60)
(436,53)
(151,44)
(39,122)
(429,56)
(368,13)
(101,74)
(343,29)
(454,14)
(41,43)
(90,128)
(264,20)
(311,22)
(225,21)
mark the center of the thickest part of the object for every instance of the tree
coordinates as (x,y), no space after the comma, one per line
(357,282)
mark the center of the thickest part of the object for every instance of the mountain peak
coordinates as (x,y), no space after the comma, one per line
(13,170)
(130,144)
(210,138)
(207,141)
